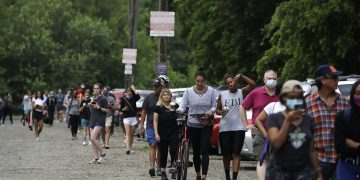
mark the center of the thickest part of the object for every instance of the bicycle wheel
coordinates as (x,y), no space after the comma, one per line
(179,165)
(185,160)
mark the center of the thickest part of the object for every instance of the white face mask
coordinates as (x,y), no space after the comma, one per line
(271,83)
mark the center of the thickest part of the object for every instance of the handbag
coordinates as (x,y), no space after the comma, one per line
(137,114)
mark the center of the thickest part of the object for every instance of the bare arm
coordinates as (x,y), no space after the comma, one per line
(156,121)
(259,120)
(351,143)
(251,84)
(277,137)
(142,120)
(219,107)
(315,161)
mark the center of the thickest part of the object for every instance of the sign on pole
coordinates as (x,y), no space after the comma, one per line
(161,68)
(128,71)
(162,23)
(129,56)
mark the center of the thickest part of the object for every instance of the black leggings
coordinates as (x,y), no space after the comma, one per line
(200,142)
(7,111)
(74,123)
(164,148)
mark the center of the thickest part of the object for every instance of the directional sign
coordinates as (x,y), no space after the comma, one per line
(162,23)
(129,56)
(161,68)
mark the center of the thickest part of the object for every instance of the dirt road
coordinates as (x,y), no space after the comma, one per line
(56,156)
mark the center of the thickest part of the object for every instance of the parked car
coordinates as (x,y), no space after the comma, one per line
(177,94)
(345,84)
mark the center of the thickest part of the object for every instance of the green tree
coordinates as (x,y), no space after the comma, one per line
(306,33)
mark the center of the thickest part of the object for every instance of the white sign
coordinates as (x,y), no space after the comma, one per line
(162,23)
(129,56)
(128,66)
(128,71)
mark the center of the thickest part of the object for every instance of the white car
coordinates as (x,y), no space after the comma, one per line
(177,94)
(345,84)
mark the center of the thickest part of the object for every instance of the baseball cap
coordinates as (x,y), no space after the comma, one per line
(291,86)
(158,82)
(327,71)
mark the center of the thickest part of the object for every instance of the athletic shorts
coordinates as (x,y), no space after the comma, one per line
(85,122)
(132,121)
(231,142)
(150,136)
(108,121)
(38,115)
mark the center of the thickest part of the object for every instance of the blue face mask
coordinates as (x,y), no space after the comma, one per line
(292,104)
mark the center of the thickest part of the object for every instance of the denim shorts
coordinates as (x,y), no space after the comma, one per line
(85,122)
(150,135)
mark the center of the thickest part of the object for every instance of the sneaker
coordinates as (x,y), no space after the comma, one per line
(84,143)
(37,139)
(101,158)
(73,138)
(152,172)
(158,172)
(30,127)
(90,143)
(94,161)
(164,176)
(3,125)
(23,123)
(128,151)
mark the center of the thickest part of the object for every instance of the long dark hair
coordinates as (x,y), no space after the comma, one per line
(352,93)
(41,95)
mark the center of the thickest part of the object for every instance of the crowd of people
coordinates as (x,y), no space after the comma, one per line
(295,136)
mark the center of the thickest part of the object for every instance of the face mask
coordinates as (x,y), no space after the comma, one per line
(271,83)
(292,104)
(357,100)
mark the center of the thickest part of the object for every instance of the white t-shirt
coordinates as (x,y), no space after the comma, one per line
(274,107)
(38,102)
(27,102)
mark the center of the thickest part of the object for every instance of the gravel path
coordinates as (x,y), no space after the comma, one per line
(56,156)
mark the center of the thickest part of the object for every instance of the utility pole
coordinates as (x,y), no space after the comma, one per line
(133,15)
(163,6)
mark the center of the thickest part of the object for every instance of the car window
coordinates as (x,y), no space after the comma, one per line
(345,89)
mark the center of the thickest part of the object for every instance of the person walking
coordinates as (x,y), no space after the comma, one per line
(322,107)
(256,100)
(290,133)
(74,113)
(60,108)
(347,137)
(130,118)
(2,105)
(232,126)
(27,103)
(149,106)
(99,109)
(7,110)
(38,106)
(201,99)
(85,116)
(51,103)
(166,129)
(109,116)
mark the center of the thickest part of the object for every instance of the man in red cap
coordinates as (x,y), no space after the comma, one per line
(322,107)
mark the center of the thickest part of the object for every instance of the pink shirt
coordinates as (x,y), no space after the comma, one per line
(257,100)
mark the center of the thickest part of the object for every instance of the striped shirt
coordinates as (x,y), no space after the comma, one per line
(324,123)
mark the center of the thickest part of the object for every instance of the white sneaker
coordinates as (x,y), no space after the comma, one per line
(93,161)
(101,158)
(3,125)
(90,143)
(84,143)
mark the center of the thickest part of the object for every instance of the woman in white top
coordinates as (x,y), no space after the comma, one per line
(38,106)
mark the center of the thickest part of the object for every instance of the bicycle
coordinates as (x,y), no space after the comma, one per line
(182,162)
